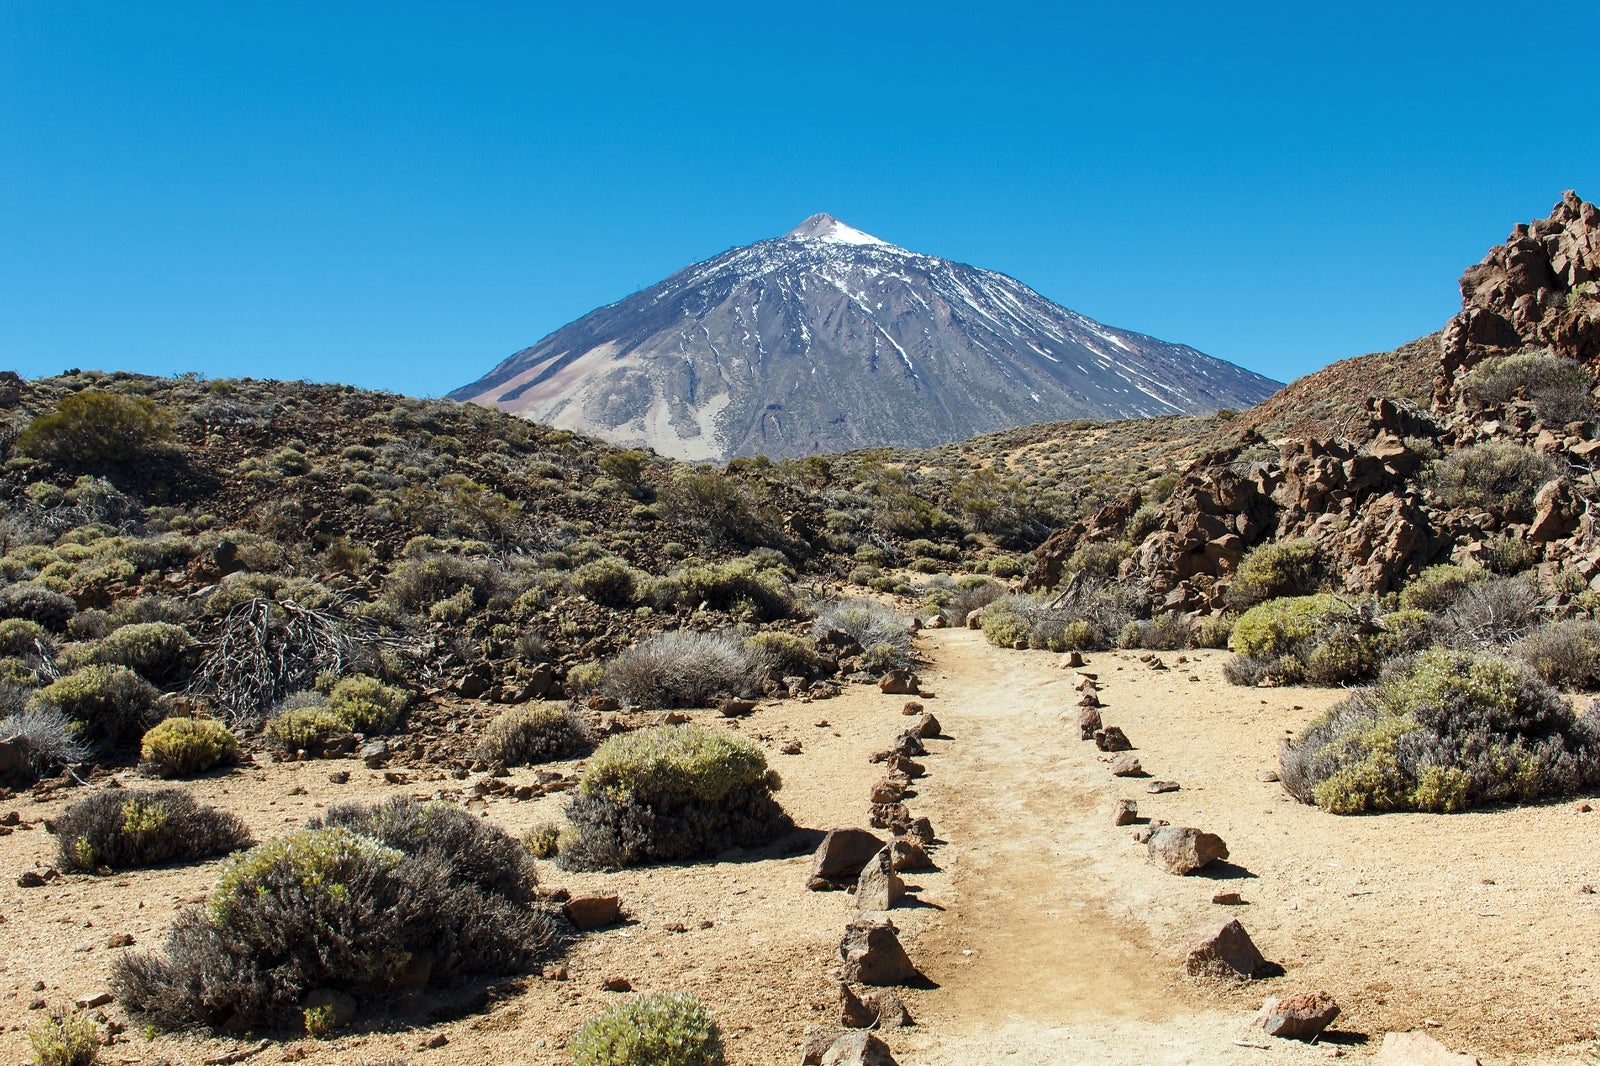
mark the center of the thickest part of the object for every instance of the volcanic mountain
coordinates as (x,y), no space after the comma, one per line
(828,339)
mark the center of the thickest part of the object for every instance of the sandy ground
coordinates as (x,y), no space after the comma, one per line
(1045,933)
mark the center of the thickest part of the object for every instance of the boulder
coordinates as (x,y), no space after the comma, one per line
(858,1048)
(1299,1017)
(1126,765)
(1182,850)
(841,855)
(853,1014)
(817,1043)
(879,888)
(1225,951)
(1418,1049)
(1111,738)
(871,954)
(1127,813)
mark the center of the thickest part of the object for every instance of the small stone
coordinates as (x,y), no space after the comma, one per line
(1267,776)
(1155,788)
(1127,813)
(911,707)
(674,718)
(887,791)
(1126,765)
(1074,660)
(921,829)
(891,816)
(1228,899)
(898,683)
(879,888)
(553,971)
(95,999)
(616,984)
(857,1048)
(853,1014)
(1418,1049)
(1184,850)
(1088,723)
(907,853)
(736,708)
(1226,951)
(593,912)
(340,777)
(1111,738)
(30,879)
(792,747)
(926,727)
(1090,700)
(437,1040)
(375,754)
(841,855)
(1584,808)
(1298,1017)
(817,1043)
(119,940)
(871,953)
(886,1009)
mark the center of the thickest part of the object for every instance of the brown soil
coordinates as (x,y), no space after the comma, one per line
(1045,933)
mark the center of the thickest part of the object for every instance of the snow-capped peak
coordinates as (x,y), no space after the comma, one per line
(823,227)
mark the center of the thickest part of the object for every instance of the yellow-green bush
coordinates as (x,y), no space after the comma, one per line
(94,427)
(532,734)
(671,1029)
(157,650)
(302,728)
(68,1040)
(794,655)
(1444,731)
(1497,475)
(1322,639)
(108,702)
(366,705)
(679,760)
(609,582)
(182,747)
(318,860)
(19,636)
(1276,569)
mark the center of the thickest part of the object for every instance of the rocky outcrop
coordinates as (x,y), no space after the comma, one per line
(1538,289)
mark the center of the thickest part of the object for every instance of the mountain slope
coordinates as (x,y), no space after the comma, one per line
(827,339)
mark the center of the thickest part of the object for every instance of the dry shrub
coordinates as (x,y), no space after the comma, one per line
(122,828)
(410,894)
(523,736)
(1565,654)
(883,633)
(48,737)
(685,669)
(1490,613)
(109,703)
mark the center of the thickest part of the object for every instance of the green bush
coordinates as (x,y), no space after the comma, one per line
(1322,639)
(1213,631)
(21,637)
(1437,587)
(96,428)
(668,793)
(608,582)
(109,703)
(1276,569)
(523,736)
(67,1040)
(1444,731)
(183,747)
(1497,476)
(123,828)
(743,586)
(792,654)
(364,704)
(1166,632)
(421,895)
(157,650)
(1090,615)
(662,1030)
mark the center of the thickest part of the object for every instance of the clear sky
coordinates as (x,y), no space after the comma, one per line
(398,195)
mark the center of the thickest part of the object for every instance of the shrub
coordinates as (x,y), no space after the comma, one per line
(94,428)
(428,897)
(1083,615)
(1498,476)
(868,623)
(67,1040)
(1276,569)
(1212,632)
(183,747)
(123,828)
(1437,587)
(1491,612)
(305,729)
(543,840)
(667,793)
(685,669)
(1565,654)
(110,703)
(21,637)
(969,599)
(608,582)
(1167,632)
(157,650)
(663,1030)
(36,603)
(794,655)
(1322,639)
(364,704)
(526,735)
(1560,388)
(744,586)
(1099,558)
(49,739)
(1444,731)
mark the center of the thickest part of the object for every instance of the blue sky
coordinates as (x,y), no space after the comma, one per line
(398,195)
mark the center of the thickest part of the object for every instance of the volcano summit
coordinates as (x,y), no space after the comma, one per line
(828,339)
